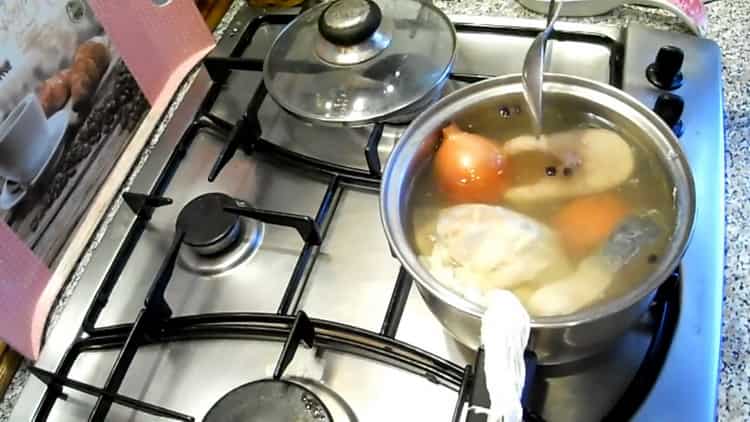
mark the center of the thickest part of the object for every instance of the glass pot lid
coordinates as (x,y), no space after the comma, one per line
(353,62)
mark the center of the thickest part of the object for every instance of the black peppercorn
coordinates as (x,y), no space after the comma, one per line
(567,171)
(550,171)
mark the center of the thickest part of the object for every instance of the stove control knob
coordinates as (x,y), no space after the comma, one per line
(670,107)
(665,72)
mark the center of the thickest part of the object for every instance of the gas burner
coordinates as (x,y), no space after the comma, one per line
(269,400)
(217,240)
(208,229)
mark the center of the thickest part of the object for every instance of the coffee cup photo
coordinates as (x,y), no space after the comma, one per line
(25,143)
(28,141)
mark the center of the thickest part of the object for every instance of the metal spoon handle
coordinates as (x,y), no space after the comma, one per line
(533,69)
(552,11)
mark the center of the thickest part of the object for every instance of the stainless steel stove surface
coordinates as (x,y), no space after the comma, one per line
(378,354)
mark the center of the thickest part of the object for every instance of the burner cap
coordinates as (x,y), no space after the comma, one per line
(269,400)
(206,225)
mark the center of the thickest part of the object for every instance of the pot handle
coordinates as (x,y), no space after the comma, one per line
(480,397)
(530,359)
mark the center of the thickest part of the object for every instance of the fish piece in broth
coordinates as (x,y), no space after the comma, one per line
(593,160)
(595,273)
(485,247)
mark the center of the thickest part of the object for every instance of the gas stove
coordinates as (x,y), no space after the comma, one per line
(249,276)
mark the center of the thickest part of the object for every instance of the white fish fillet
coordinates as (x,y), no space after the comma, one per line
(595,273)
(572,293)
(602,160)
(488,247)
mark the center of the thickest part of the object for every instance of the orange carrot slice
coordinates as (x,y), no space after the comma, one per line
(584,223)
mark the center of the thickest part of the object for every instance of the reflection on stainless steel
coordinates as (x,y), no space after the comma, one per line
(354,273)
(249,237)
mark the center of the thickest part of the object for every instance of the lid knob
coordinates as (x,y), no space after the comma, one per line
(349,22)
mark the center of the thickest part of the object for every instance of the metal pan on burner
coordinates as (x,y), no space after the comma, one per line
(554,339)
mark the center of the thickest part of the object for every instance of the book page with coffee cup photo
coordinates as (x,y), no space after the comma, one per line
(68,108)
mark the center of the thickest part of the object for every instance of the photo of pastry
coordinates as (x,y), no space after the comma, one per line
(68,106)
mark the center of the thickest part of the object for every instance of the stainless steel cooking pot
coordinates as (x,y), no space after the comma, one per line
(554,339)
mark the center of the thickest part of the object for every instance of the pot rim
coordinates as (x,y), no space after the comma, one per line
(393,196)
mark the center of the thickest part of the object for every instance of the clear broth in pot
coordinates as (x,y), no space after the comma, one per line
(647,191)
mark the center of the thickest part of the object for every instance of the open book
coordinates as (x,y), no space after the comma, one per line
(76,79)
